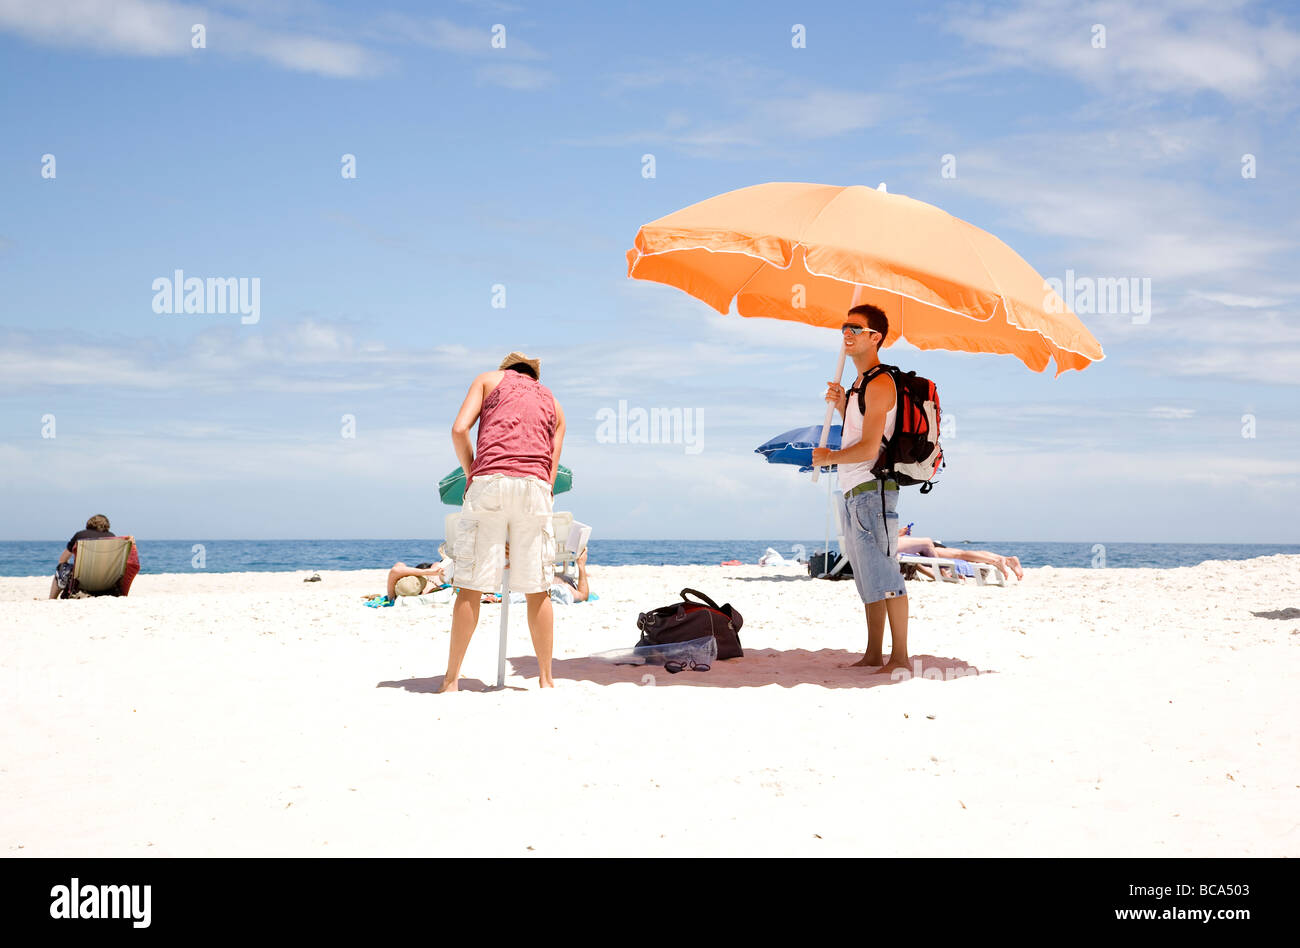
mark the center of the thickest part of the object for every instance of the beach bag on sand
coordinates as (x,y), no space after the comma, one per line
(912,455)
(686,620)
(821,564)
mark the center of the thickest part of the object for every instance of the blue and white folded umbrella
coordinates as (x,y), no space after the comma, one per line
(796,446)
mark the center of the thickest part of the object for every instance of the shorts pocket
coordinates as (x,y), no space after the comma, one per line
(865,518)
(546,546)
(891,533)
(485,494)
(465,546)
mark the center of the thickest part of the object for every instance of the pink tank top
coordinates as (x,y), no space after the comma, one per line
(516,428)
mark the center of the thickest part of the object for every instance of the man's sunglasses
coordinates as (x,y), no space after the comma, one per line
(856,330)
(674,667)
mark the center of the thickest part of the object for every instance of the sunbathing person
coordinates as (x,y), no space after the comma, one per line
(578,585)
(439,573)
(566,590)
(926,546)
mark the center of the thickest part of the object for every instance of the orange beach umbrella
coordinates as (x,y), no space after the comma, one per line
(808,252)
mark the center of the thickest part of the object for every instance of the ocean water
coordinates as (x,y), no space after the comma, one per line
(37,557)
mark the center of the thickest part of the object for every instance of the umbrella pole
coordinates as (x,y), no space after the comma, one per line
(826,547)
(505,624)
(830,411)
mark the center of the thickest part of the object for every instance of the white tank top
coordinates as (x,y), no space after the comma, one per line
(851,475)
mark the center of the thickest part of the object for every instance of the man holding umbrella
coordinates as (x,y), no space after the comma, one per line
(508,498)
(871,530)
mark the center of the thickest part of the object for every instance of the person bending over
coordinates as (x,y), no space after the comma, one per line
(509,497)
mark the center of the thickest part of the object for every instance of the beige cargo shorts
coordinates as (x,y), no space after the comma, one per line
(498,509)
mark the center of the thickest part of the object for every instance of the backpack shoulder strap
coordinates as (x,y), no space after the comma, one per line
(866,380)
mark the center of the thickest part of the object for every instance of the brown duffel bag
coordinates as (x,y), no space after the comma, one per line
(686,620)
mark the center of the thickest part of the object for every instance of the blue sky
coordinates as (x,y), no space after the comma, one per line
(522,166)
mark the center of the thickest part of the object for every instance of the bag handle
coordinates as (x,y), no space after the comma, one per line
(703,598)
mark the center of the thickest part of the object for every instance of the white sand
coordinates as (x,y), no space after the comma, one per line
(1118,712)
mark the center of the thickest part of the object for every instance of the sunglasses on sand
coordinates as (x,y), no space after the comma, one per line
(674,667)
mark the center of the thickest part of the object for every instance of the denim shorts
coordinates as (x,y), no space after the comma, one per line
(871,536)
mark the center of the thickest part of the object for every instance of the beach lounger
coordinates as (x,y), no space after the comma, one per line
(985,573)
(103,567)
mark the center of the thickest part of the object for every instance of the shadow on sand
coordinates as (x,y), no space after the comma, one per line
(430,686)
(824,668)
(775,578)
(1291,613)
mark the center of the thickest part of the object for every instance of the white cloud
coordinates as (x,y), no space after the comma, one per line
(443,34)
(1238,300)
(263,31)
(821,113)
(1263,365)
(310,356)
(506,66)
(1123,220)
(186,456)
(737,118)
(1157,47)
(987,465)
(163,28)
(513,76)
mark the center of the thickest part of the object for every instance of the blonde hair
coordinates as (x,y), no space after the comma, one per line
(98,522)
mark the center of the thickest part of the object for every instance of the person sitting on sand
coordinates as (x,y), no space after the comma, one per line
(97,528)
(927,546)
(509,496)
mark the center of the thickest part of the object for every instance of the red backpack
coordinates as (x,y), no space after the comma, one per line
(913,454)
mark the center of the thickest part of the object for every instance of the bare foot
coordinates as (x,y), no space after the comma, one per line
(868,661)
(896,666)
(548,683)
(449,687)
(1015,566)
